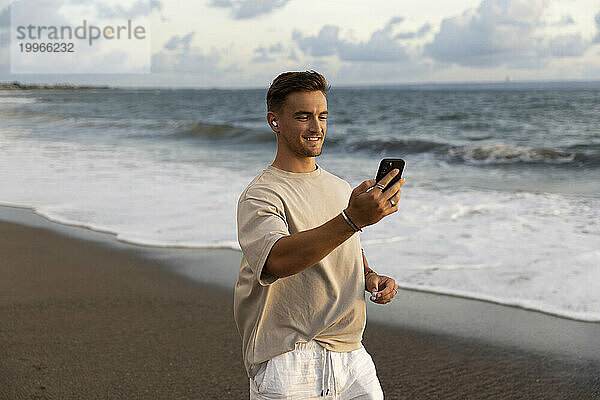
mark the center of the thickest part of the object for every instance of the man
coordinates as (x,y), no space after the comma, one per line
(299,300)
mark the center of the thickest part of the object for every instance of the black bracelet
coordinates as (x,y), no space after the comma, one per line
(349,221)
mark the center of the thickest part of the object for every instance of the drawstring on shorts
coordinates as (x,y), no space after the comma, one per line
(327,367)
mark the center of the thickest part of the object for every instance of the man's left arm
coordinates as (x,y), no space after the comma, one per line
(384,286)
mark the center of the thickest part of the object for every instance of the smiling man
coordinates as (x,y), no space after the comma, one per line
(299,301)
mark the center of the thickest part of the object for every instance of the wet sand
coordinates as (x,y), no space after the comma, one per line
(85,320)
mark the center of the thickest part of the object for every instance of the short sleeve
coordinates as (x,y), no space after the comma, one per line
(260,224)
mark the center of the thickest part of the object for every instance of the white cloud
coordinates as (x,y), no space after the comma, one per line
(5,17)
(411,35)
(263,53)
(572,45)
(325,43)
(244,9)
(382,46)
(140,7)
(156,5)
(275,48)
(180,43)
(179,56)
(565,20)
(502,32)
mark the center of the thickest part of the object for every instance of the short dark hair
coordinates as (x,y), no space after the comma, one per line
(289,82)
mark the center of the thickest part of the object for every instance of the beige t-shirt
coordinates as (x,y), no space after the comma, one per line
(324,302)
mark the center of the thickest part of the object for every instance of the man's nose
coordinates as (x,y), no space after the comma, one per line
(314,125)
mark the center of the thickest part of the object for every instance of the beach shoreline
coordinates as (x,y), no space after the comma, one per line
(419,310)
(85,318)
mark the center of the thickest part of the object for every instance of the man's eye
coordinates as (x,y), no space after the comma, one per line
(323,118)
(302,118)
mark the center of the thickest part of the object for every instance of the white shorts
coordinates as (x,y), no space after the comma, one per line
(312,372)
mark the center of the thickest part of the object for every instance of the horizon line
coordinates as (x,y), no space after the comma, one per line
(340,86)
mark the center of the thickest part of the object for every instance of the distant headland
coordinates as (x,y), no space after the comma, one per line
(61,86)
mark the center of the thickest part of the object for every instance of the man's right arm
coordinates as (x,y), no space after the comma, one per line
(296,252)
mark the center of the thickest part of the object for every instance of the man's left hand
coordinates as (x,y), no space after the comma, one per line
(384,288)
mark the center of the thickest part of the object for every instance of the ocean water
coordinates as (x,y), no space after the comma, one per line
(501,203)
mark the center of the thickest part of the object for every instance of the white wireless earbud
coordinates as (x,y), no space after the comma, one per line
(274,123)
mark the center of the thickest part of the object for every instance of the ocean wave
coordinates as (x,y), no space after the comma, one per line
(452,267)
(226,132)
(493,154)
(410,146)
(62,100)
(505,154)
(476,126)
(525,304)
(392,239)
(451,117)
(49,214)
(148,125)
(27,115)
(17,100)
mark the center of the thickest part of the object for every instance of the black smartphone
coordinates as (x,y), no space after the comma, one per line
(388,164)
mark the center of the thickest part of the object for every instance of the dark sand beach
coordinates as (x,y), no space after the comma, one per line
(82,319)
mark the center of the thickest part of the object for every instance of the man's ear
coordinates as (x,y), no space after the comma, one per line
(272,121)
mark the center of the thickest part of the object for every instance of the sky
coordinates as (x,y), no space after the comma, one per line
(246,43)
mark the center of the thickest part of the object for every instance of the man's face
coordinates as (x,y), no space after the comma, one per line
(303,122)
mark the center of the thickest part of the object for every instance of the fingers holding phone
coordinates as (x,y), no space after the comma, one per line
(378,198)
(386,166)
(393,193)
(389,183)
(382,183)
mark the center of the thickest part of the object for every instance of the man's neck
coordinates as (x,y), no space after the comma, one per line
(307,164)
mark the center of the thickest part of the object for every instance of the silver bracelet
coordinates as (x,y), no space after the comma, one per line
(349,221)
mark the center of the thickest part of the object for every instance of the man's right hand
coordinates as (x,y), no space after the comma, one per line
(368,204)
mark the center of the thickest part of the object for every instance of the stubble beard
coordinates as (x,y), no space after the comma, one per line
(302,151)
(312,153)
